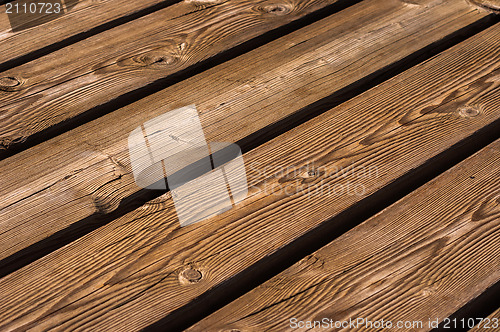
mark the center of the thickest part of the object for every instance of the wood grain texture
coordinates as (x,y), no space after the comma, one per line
(86,173)
(83,16)
(132,272)
(70,81)
(419,260)
(490,5)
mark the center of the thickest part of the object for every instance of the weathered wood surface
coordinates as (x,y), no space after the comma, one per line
(85,173)
(82,17)
(48,90)
(143,266)
(490,5)
(420,259)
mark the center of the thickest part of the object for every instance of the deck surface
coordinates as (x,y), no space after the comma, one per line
(370,145)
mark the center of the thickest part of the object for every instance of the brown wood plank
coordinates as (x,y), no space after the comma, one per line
(85,174)
(83,16)
(132,272)
(418,261)
(94,71)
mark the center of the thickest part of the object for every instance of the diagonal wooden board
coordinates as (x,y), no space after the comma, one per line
(96,70)
(85,174)
(418,261)
(143,266)
(82,17)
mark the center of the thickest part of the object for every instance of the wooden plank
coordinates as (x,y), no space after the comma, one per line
(67,83)
(416,262)
(85,174)
(83,16)
(143,266)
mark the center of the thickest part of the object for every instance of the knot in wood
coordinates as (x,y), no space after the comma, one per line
(5,142)
(312,173)
(490,5)
(411,2)
(156,59)
(170,54)
(10,83)
(275,9)
(469,111)
(205,2)
(191,275)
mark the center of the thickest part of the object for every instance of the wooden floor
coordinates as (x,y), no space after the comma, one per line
(370,136)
